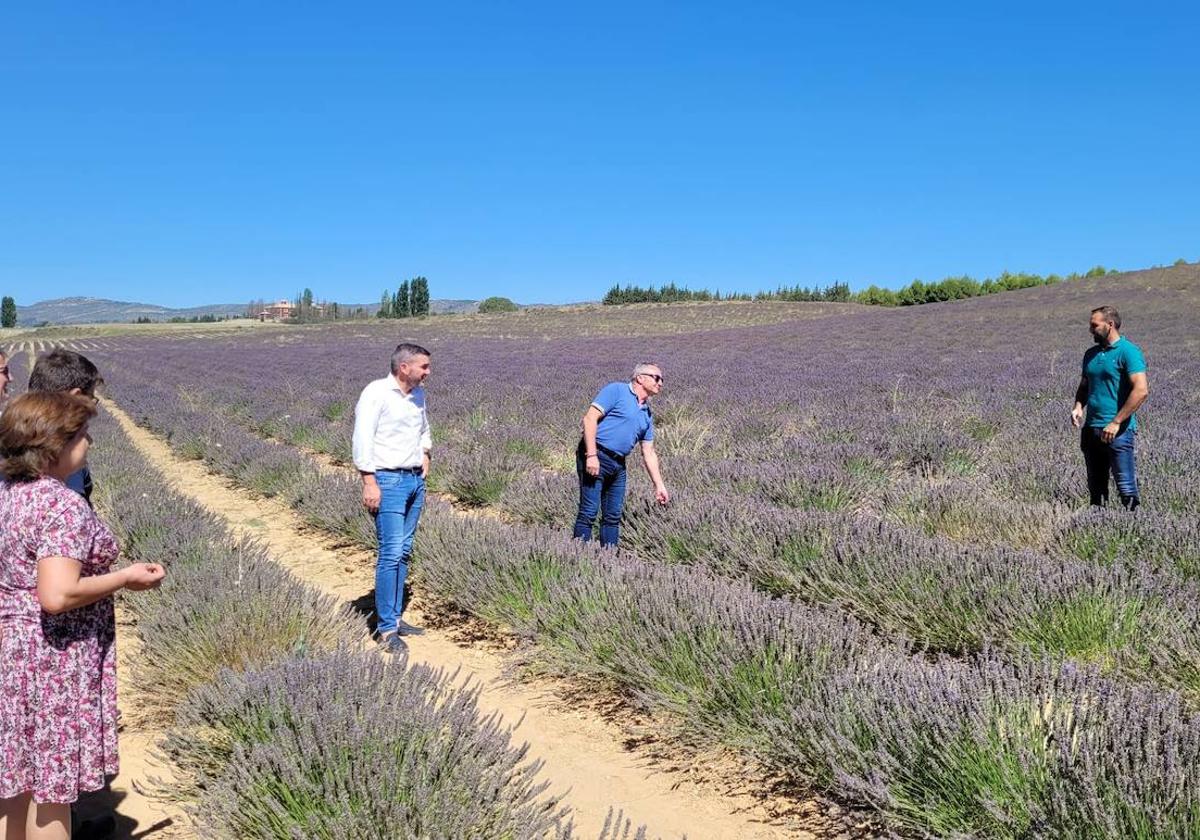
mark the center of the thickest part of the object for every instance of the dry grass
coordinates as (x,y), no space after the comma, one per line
(543,322)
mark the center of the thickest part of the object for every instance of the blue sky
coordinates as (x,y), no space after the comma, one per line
(200,152)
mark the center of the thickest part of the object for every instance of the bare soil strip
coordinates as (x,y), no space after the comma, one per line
(137,815)
(583,754)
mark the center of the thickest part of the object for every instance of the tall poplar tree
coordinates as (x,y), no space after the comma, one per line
(419,297)
(402,308)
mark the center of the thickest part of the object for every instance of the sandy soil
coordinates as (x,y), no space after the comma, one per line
(137,814)
(590,758)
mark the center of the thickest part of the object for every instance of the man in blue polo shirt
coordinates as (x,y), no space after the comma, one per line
(617,420)
(1112,388)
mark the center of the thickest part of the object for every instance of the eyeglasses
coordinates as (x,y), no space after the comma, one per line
(657,377)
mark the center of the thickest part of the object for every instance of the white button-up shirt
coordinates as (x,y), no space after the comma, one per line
(391,430)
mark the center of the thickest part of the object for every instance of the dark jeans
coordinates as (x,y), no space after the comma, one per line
(1102,458)
(603,494)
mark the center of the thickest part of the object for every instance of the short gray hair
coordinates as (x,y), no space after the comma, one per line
(645,367)
(404,352)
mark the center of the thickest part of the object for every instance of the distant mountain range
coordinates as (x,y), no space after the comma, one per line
(88,310)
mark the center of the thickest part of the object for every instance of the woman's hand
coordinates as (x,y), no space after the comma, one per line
(62,587)
(142,576)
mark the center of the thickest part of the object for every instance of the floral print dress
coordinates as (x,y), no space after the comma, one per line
(58,678)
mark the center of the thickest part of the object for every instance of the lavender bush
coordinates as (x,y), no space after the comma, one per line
(982,747)
(224,604)
(352,745)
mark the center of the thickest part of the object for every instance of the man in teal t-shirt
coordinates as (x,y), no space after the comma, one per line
(1112,388)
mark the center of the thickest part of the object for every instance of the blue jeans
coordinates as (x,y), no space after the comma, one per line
(401,496)
(603,494)
(1102,458)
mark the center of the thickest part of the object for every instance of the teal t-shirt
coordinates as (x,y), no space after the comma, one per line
(1107,369)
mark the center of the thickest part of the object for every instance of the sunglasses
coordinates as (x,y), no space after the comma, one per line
(657,377)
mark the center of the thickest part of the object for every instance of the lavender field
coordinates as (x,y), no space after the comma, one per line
(277,723)
(878,575)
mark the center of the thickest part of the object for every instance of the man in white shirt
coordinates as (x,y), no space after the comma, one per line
(391,452)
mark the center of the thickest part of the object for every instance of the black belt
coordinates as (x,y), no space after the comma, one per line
(605,450)
(413,470)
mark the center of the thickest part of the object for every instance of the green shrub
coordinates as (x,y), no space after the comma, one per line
(497,304)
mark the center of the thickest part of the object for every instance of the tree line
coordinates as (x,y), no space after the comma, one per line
(411,300)
(915,293)
(670,293)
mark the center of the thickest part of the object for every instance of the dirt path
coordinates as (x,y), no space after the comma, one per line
(582,752)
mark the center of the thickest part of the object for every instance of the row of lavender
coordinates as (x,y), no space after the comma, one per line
(852,407)
(916,541)
(279,723)
(991,746)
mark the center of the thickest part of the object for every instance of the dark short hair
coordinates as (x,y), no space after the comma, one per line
(36,428)
(1110,314)
(64,370)
(404,352)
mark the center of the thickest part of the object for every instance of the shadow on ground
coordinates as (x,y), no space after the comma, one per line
(364,606)
(93,812)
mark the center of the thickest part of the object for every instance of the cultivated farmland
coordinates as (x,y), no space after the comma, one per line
(878,578)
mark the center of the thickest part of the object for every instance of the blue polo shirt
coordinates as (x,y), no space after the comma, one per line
(1107,368)
(625,421)
(81,483)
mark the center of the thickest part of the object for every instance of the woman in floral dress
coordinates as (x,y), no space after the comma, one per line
(58,720)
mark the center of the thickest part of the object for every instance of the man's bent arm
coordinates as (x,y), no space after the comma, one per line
(1141,390)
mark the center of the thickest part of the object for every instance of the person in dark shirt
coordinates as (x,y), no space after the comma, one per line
(1111,389)
(72,373)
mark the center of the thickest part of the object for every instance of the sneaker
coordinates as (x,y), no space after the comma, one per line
(403,628)
(392,643)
